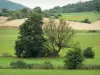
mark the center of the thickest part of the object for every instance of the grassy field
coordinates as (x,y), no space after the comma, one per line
(81,16)
(7,40)
(49,72)
(8,37)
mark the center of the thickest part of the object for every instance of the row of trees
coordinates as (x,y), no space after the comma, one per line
(77,7)
(22,13)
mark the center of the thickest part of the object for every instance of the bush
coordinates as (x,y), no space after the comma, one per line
(59,15)
(56,17)
(48,65)
(93,31)
(21,65)
(18,64)
(74,59)
(88,53)
(86,21)
(89,67)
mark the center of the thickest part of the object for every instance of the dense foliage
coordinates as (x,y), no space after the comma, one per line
(31,41)
(97,5)
(22,13)
(74,59)
(88,53)
(76,7)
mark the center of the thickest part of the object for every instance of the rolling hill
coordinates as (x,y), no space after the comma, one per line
(10,5)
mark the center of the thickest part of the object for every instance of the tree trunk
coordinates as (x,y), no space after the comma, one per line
(55,53)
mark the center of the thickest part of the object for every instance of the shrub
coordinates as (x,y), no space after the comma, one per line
(56,17)
(48,65)
(29,66)
(86,21)
(74,59)
(59,15)
(93,31)
(18,64)
(89,67)
(88,53)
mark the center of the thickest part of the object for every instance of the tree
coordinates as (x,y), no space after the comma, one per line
(46,14)
(97,5)
(25,10)
(74,58)
(31,41)
(38,10)
(58,34)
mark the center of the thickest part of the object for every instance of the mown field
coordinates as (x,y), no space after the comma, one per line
(8,37)
(49,72)
(92,16)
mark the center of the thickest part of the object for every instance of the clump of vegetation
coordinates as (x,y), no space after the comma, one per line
(93,31)
(74,59)
(89,67)
(56,16)
(86,21)
(88,53)
(48,65)
(19,65)
(22,65)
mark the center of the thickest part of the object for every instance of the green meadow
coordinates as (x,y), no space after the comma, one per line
(49,72)
(8,37)
(92,16)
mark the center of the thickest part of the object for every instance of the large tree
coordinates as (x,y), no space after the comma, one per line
(31,41)
(38,10)
(58,34)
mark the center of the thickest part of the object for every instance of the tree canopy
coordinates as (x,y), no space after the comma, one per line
(31,41)
(58,34)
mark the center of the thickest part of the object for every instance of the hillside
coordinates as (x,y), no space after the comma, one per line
(10,5)
(74,7)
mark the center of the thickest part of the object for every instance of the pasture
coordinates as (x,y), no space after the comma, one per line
(49,72)
(8,37)
(92,16)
